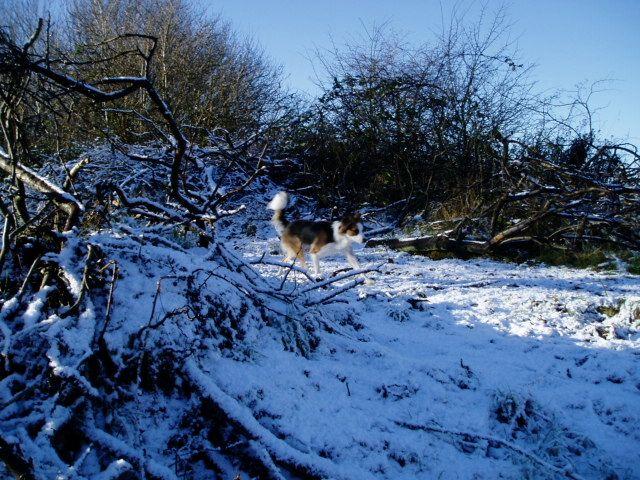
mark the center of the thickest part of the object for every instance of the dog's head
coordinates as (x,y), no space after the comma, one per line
(351,227)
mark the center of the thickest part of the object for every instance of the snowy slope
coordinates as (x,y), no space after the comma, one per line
(458,369)
(440,369)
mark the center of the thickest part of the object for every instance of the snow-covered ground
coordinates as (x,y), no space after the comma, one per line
(443,369)
(457,369)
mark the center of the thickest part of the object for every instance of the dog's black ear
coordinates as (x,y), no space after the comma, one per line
(351,217)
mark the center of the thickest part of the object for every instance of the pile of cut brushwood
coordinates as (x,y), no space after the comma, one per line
(567,203)
(78,376)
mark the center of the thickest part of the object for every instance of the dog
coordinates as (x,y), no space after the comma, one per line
(319,238)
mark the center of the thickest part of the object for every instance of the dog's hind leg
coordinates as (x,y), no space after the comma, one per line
(294,248)
(289,253)
(292,256)
(316,246)
(300,257)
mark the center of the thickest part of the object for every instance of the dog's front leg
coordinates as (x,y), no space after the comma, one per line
(351,258)
(353,261)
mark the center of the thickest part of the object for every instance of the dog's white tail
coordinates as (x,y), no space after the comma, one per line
(278,204)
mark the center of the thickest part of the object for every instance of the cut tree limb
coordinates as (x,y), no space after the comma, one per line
(432,242)
(69,203)
(304,464)
(564,472)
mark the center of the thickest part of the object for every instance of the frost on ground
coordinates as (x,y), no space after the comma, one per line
(440,369)
(460,368)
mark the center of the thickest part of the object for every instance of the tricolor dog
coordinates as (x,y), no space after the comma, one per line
(319,238)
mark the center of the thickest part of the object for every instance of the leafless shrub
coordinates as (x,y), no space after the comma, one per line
(417,122)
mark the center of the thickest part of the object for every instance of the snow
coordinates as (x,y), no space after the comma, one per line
(33,312)
(267,439)
(438,346)
(440,369)
(441,343)
(114,470)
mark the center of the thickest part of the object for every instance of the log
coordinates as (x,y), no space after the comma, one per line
(433,242)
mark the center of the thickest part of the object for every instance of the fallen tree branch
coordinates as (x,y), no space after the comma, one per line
(133,457)
(431,242)
(83,286)
(290,266)
(565,472)
(335,293)
(338,278)
(304,464)
(62,199)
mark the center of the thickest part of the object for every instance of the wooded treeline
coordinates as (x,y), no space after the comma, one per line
(453,129)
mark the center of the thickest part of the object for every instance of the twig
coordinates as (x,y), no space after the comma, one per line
(275,263)
(338,278)
(5,240)
(335,293)
(107,316)
(27,278)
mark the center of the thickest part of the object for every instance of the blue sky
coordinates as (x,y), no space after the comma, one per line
(570,41)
